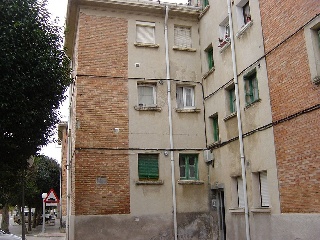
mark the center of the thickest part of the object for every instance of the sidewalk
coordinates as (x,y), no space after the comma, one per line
(51,232)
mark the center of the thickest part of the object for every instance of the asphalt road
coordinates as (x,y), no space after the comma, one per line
(52,232)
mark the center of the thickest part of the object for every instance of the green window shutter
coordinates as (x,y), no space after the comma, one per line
(248,90)
(215,129)
(193,167)
(251,87)
(205,3)
(232,100)
(210,58)
(255,90)
(148,166)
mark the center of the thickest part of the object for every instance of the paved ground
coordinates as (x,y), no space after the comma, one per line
(52,232)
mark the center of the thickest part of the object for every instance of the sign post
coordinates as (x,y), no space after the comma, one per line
(44,196)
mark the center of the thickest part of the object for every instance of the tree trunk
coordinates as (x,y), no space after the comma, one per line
(5,218)
(29,219)
(34,219)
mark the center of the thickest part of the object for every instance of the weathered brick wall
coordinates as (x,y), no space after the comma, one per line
(291,90)
(282,18)
(99,199)
(64,152)
(101,106)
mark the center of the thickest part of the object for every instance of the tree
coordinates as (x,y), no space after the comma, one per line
(43,175)
(35,74)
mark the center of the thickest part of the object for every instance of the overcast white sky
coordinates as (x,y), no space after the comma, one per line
(58,8)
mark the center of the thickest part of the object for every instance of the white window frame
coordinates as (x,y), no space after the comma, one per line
(184,97)
(263,187)
(182,36)
(149,29)
(140,103)
(240,16)
(223,29)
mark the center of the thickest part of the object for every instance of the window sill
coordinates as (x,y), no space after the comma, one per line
(186,110)
(252,103)
(190,182)
(244,29)
(207,74)
(141,108)
(184,49)
(150,182)
(236,210)
(261,210)
(149,45)
(232,115)
(204,11)
(224,47)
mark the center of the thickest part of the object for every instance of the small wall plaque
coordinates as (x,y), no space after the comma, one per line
(101,180)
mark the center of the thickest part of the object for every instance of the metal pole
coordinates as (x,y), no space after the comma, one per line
(44,195)
(174,200)
(241,146)
(23,225)
(43,215)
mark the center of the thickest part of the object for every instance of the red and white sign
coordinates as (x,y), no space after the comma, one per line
(51,199)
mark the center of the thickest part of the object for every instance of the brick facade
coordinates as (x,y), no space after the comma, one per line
(64,151)
(291,91)
(101,106)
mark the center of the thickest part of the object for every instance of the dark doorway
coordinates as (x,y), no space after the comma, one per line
(219,202)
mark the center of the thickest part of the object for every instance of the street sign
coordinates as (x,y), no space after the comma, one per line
(51,198)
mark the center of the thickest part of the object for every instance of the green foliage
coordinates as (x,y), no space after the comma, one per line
(43,175)
(35,73)
(40,178)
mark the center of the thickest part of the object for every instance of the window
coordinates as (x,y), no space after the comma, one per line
(224,29)
(205,3)
(232,100)
(240,192)
(246,13)
(182,37)
(188,164)
(215,125)
(312,38)
(227,31)
(145,32)
(251,87)
(148,168)
(264,193)
(185,97)
(146,95)
(209,52)
(243,17)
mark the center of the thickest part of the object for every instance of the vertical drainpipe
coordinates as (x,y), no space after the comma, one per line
(242,157)
(69,154)
(174,201)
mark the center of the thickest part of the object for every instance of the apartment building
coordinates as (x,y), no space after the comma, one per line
(181,126)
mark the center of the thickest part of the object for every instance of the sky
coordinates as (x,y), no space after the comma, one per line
(58,8)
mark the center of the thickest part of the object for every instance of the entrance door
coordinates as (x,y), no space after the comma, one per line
(221,214)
